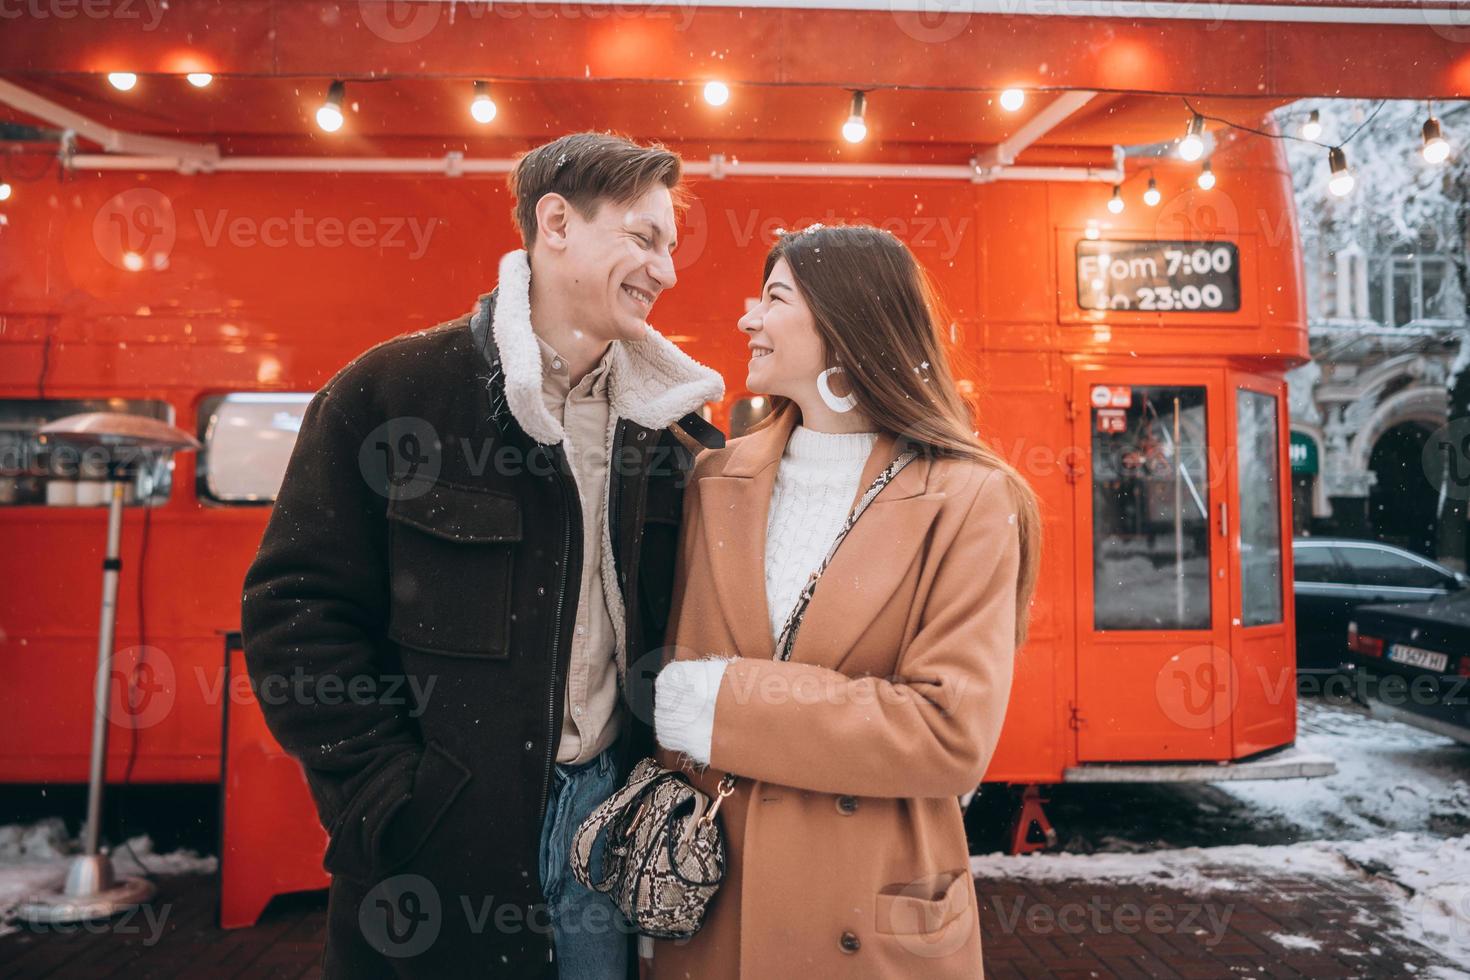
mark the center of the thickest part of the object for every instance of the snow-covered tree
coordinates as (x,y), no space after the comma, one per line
(1400,205)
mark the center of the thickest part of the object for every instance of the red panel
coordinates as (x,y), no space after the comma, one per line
(428,117)
(870,49)
(271,841)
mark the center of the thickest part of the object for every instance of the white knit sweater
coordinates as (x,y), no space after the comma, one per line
(813,495)
(814,491)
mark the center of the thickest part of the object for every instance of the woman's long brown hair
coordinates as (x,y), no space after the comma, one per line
(879,317)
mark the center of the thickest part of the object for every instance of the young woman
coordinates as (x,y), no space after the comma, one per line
(846,851)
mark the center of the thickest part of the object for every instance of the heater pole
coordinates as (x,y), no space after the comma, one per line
(111,566)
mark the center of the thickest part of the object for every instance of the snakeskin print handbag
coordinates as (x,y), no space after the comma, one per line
(663,855)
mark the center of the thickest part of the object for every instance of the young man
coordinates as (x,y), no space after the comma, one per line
(470,555)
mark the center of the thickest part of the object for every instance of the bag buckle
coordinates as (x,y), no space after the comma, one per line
(726,787)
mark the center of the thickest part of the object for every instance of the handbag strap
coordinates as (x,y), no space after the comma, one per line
(793,620)
(642,781)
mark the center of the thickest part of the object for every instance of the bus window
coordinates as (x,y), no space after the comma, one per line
(1150,512)
(747,412)
(33,473)
(248,437)
(1259,473)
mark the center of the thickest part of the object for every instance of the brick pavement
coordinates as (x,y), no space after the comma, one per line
(1061,930)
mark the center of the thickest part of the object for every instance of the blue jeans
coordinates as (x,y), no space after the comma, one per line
(590,934)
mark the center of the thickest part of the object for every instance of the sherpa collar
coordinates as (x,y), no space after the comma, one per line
(651,381)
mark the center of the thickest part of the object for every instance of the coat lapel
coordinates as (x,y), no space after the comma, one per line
(736,506)
(864,574)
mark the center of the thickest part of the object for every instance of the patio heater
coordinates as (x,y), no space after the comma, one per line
(92,890)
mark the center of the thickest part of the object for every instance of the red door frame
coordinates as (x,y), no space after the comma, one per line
(1154,695)
(1263,657)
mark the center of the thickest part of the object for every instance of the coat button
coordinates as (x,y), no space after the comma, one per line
(847,805)
(849,942)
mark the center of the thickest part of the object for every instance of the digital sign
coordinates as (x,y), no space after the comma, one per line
(1158,277)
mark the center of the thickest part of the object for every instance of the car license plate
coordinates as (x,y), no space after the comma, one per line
(1418,657)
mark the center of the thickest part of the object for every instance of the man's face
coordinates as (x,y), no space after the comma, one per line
(618,262)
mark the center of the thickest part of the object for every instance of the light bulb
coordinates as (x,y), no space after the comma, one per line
(1115,203)
(1206,178)
(199,79)
(1312,128)
(123,81)
(855,130)
(329,116)
(1152,196)
(5,191)
(716,93)
(1436,150)
(482,107)
(1012,99)
(1091,231)
(1192,146)
(1342,179)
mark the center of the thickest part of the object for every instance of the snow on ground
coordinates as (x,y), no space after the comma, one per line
(1294,942)
(1389,777)
(1426,878)
(1395,816)
(34,858)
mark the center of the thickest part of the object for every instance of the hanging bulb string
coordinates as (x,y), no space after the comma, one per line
(1147,171)
(1286,136)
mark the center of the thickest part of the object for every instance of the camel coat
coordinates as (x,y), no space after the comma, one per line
(846,845)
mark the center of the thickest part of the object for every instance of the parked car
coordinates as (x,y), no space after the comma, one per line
(1416,660)
(1334,576)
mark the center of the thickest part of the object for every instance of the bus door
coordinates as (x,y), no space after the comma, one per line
(1153,634)
(1262,619)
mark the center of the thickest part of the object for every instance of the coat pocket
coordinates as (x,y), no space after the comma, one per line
(452,555)
(392,817)
(925,905)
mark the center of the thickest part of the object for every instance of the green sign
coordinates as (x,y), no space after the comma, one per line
(1303,454)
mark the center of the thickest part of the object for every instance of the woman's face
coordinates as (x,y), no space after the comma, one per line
(785,348)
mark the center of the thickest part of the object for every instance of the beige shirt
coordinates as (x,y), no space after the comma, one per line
(592,714)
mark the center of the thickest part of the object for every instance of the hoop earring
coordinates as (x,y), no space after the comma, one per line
(845,403)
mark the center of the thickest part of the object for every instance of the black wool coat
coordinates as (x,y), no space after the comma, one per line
(407,623)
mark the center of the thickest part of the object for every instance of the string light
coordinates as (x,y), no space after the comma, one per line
(1206,178)
(123,81)
(199,79)
(1151,197)
(716,92)
(1115,203)
(1192,146)
(855,130)
(329,116)
(5,191)
(1091,232)
(1012,99)
(1311,128)
(482,107)
(1435,150)
(1342,180)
